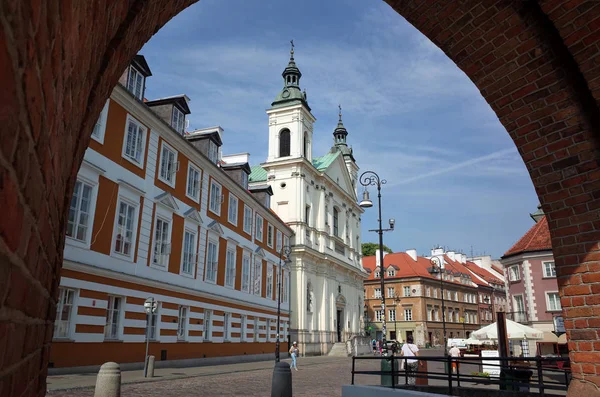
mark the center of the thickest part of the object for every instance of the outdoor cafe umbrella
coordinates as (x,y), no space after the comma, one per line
(513,330)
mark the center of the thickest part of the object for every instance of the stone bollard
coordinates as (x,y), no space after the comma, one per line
(108,382)
(282,380)
(150,373)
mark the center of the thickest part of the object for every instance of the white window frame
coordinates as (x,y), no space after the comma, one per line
(69,324)
(408,315)
(100,126)
(133,70)
(278,241)
(552,267)
(172,167)
(286,241)
(391,273)
(377,274)
(232,209)
(89,174)
(392,290)
(230,266)
(194,197)
(248,216)
(257,279)
(392,314)
(269,281)
(213,152)
(259,230)
(78,213)
(270,235)
(210,263)
(182,326)
(193,259)
(110,313)
(144,132)
(207,325)
(548,301)
(161,263)
(378,315)
(406,291)
(514,276)
(377,293)
(133,242)
(227,327)
(215,197)
(246,276)
(178,120)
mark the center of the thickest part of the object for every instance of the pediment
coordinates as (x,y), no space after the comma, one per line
(215,227)
(260,252)
(340,300)
(167,200)
(193,215)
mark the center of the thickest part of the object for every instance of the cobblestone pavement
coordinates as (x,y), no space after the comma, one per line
(317,377)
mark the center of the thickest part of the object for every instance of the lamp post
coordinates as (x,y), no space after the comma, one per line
(285,250)
(490,306)
(370,178)
(436,268)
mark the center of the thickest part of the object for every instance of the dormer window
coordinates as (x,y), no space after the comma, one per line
(178,120)
(391,273)
(135,82)
(244,180)
(213,152)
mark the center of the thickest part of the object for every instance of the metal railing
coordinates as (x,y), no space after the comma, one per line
(547,375)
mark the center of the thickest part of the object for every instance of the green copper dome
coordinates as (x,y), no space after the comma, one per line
(291,94)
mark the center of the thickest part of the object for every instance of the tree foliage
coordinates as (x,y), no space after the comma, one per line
(369,249)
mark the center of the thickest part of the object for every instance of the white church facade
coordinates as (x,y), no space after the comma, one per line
(317,198)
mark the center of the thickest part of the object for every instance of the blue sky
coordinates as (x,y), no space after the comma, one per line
(454,176)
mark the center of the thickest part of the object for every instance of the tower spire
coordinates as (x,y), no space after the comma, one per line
(291,92)
(340,133)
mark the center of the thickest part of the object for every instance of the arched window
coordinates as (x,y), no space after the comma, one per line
(284,143)
(336,230)
(305,146)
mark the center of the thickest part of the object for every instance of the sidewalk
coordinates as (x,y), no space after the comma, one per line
(79,381)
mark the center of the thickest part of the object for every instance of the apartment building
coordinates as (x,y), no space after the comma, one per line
(414,298)
(160,213)
(532,286)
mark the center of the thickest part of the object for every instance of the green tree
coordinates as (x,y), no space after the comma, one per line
(369,249)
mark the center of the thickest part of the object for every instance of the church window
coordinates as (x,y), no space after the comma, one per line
(284,143)
(335,222)
(305,145)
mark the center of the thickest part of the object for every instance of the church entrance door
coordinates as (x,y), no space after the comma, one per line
(339,325)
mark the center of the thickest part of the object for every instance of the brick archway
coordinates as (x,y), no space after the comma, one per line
(537,63)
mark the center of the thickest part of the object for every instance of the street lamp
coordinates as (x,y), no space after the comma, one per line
(285,250)
(436,268)
(370,178)
(490,306)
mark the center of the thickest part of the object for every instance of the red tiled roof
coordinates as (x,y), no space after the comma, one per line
(483,273)
(536,239)
(456,266)
(406,267)
(497,269)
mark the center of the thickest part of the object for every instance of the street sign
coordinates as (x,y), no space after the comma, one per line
(150,305)
(559,326)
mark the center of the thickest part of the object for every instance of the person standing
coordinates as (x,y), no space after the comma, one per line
(455,353)
(374,343)
(294,354)
(409,349)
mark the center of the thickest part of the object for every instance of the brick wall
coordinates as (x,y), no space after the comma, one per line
(535,62)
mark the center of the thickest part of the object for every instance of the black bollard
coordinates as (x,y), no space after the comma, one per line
(282,380)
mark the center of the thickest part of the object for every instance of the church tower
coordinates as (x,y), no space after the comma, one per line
(340,134)
(290,119)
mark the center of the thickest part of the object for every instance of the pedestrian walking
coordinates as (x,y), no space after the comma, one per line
(374,343)
(455,353)
(409,349)
(294,354)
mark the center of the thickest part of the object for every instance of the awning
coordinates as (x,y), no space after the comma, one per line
(513,330)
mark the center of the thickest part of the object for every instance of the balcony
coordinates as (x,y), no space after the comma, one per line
(339,248)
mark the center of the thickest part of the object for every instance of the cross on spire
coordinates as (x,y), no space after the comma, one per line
(292,50)
(340,113)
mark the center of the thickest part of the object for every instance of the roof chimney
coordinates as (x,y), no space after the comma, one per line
(451,255)
(377,261)
(412,253)
(437,251)
(463,258)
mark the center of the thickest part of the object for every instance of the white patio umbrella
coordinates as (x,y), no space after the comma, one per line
(514,331)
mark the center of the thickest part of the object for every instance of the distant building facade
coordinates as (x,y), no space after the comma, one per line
(160,213)
(532,286)
(316,197)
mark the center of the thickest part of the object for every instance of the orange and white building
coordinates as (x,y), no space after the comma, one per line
(160,213)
